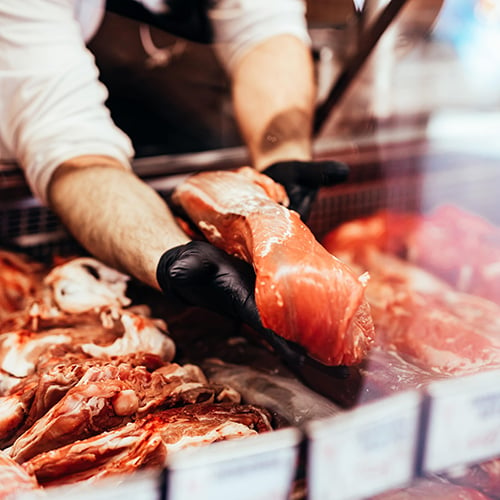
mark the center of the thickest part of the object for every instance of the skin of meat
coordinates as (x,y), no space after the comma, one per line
(302,292)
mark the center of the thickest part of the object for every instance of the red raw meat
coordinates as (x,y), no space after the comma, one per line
(13,478)
(19,281)
(432,490)
(28,400)
(302,292)
(424,319)
(108,396)
(21,350)
(148,441)
(385,230)
(458,246)
(485,477)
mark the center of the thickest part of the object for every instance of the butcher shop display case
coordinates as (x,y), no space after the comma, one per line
(110,391)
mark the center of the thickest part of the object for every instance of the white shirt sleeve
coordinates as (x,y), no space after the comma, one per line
(240,24)
(51,101)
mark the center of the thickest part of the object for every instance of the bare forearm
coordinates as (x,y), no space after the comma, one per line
(114,215)
(274,96)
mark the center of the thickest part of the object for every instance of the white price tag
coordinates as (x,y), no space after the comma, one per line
(364,451)
(463,422)
(255,468)
(138,486)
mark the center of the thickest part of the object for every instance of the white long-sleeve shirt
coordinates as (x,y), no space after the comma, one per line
(51,101)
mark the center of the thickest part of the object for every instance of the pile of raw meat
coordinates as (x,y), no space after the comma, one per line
(88,385)
(434,294)
(434,288)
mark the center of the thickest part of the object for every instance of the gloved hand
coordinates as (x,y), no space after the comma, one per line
(302,180)
(201,275)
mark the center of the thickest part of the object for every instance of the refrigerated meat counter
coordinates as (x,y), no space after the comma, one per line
(419,418)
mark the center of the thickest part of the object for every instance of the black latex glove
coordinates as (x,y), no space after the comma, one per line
(302,180)
(202,275)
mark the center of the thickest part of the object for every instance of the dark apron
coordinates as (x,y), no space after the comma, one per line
(184,18)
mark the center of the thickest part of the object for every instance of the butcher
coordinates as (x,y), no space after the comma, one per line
(55,124)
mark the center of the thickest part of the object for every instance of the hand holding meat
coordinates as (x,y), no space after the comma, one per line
(302,292)
(201,275)
(303,179)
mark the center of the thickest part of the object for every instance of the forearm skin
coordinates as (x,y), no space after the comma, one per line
(274,97)
(114,215)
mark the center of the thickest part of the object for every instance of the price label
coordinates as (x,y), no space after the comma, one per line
(364,451)
(137,486)
(255,468)
(463,423)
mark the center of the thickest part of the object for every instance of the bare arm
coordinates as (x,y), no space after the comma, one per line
(274,96)
(114,215)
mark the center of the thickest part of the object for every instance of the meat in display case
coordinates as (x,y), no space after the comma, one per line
(109,390)
(101,378)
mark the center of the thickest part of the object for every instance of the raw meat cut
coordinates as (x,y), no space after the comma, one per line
(385,230)
(20,351)
(428,322)
(302,292)
(109,396)
(484,477)
(284,395)
(83,370)
(417,314)
(469,250)
(19,280)
(148,441)
(84,284)
(458,246)
(27,401)
(13,478)
(432,490)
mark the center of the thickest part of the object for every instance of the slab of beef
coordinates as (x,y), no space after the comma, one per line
(58,296)
(458,246)
(108,396)
(424,319)
(84,284)
(302,292)
(23,404)
(147,442)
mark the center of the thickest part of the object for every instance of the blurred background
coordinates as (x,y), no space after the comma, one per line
(437,67)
